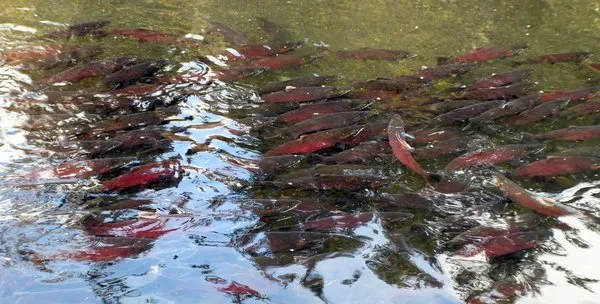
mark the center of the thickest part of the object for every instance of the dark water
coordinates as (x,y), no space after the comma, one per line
(189,239)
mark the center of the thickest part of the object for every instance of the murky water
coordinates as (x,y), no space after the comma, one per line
(215,225)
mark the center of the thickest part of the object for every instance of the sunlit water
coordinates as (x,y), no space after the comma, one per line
(214,234)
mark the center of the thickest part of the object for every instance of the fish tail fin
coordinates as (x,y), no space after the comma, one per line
(444,60)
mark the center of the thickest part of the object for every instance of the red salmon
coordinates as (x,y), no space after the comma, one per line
(558,165)
(486,54)
(373,53)
(304,94)
(141,176)
(308,111)
(503,79)
(491,156)
(581,94)
(573,133)
(401,149)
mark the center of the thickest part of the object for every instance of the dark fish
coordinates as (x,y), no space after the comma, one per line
(340,222)
(110,203)
(450,186)
(285,241)
(588,151)
(393,202)
(308,111)
(581,94)
(448,105)
(401,149)
(484,54)
(92,69)
(515,90)
(510,108)
(443,71)
(78,30)
(584,109)
(344,169)
(139,141)
(304,94)
(449,146)
(254,51)
(371,131)
(169,171)
(147,35)
(558,165)
(561,57)
(89,168)
(327,121)
(131,74)
(237,73)
(502,245)
(467,112)
(280,61)
(401,83)
(126,122)
(240,290)
(377,94)
(271,164)
(364,151)
(491,156)
(230,34)
(314,142)
(373,53)
(537,113)
(139,89)
(70,56)
(503,79)
(275,32)
(428,135)
(330,182)
(313,80)
(573,133)
(527,199)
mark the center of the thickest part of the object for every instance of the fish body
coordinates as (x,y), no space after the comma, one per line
(491,156)
(304,94)
(92,69)
(467,112)
(89,168)
(78,30)
(327,121)
(503,245)
(400,83)
(575,133)
(428,135)
(561,57)
(373,53)
(581,94)
(528,200)
(230,34)
(31,53)
(537,113)
(308,111)
(339,222)
(511,91)
(239,290)
(558,165)
(147,35)
(503,79)
(442,71)
(364,151)
(141,176)
(313,80)
(280,61)
(401,149)
(588,108)
(236,73)
(512,107)
(449,146)
(314,142)
(129,75)
(275,32)
(331,182)
(486,54)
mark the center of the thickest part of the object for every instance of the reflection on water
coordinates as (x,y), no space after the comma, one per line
(147,158)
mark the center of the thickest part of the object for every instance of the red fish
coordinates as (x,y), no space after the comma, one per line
(271,164)
(314,142)
(503,79)
(373,53)
(313,80)
(401,149)
(308,111)
(503,245)
(487,54)
(327,121)
(92,69)
(128,75)
(371,131)
(236,73)
(304,94)
(514,90)
(141,176)
(107,249)
(594,66)
(527,199)
(89,168)
(491,156)
(148,228)
(442,71)
(360,153)
(31,53)
(573,133)
(280,62)
(592,107)
(538,113)
(561,57)
(339,222)
(239,290)
(147,35)
(558,165)
(581,94)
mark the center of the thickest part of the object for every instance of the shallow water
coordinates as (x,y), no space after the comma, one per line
(220,234)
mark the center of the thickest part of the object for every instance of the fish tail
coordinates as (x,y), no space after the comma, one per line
(444,60)
(316,158)
(529,137)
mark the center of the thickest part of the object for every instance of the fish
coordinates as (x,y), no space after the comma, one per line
(138,141)
(387,202)
(78,30)
(584,109)
(491,156)
(89,168)
(304,94)
(147,35)
(561,57)
(314,142)
(109,203)
(401,149)
(254,51)
(344,169)
(236,73)
(275,242)
(68,56)
(267,165)
(574,133)
(31,53)
(449,146)
(240,290)
(517,194)
(594,67)
(339,222)
(281,61)
(467,112)
(314,80)
(131,74)
(481,55)
(325,122)
(106,249)
(450,186)
(502,79)
(587,151)
(370,131)
(580,94)
(501,290)
(309,111)
(230,34)
(275,32)
(448,105)
(373,53)
(138,89)
(363,152)
(168,171)
(147,228)
(123,122)
(502,245)
(92,69)
(558,165)
(510,108)
(428,135)
(442,71)
(538,113)
(511,91)
(400,83)
(330,182)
